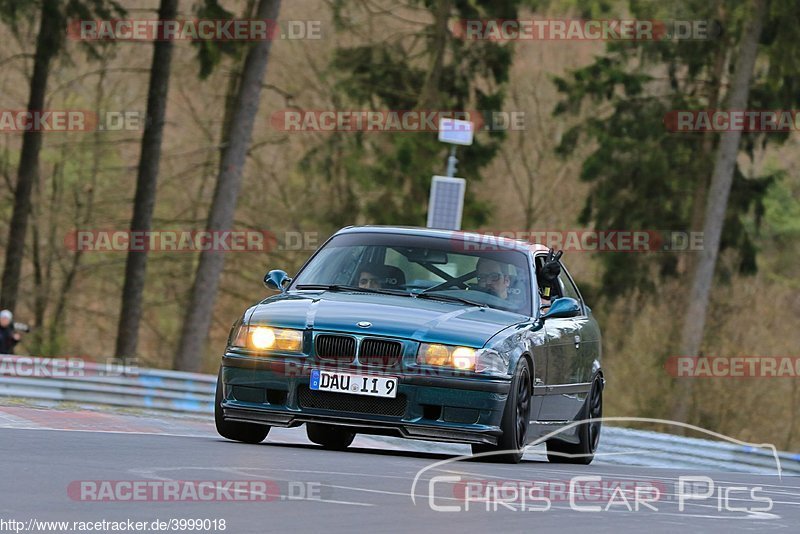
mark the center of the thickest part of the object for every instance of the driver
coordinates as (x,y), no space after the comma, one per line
(493,277)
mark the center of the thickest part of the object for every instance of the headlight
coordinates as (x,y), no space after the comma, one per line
(490,361)
(262,337)
(461,358)
(487,361)
(259,337)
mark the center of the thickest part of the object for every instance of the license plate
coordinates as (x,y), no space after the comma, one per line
(375,386)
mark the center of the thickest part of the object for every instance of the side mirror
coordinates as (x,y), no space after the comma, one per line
(277,280)
(563,308)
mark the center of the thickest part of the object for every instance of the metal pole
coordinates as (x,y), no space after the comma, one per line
(452,162)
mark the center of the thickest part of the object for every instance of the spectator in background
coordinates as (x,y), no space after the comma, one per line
(8,336)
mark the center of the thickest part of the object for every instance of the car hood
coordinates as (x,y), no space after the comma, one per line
(393,316)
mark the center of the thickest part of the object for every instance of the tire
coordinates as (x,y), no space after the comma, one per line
(330,437)
(561,452)
(233,430)
(516,417)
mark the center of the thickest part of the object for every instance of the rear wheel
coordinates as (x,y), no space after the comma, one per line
(329,436)
(245,432)
(582,452)
(516,417)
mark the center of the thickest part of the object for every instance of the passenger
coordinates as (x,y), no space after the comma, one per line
(548,274)
(371,276)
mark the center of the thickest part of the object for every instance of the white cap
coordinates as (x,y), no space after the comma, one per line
(6,314)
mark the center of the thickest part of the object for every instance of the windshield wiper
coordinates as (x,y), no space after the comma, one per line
(451,298)
(343,287)
(398,292)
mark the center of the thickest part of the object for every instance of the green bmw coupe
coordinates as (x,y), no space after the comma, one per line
(424,334)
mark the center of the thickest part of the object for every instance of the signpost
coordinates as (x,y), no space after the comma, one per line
(446,201)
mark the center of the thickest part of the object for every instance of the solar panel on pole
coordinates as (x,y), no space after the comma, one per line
(446,202)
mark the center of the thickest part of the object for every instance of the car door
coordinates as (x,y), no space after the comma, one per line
(567,380)
(539,381)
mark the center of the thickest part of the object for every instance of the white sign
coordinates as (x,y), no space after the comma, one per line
(455,131)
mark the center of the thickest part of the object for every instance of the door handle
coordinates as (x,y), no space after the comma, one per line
(577,341)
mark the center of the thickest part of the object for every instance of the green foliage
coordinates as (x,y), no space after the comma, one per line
(210,52)
(782,211)
(12,12)
(642,175)
(385,177)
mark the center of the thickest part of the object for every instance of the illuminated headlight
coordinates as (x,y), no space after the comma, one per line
(267,338)
(461,358)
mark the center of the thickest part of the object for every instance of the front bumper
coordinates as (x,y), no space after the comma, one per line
(275,392)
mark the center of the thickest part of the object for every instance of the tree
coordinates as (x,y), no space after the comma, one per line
(223,206)
(721,181)
(385,177)
(146,186)
(645,177)
(632,88)
(54,16)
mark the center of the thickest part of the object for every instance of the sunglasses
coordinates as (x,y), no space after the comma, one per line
(490,277)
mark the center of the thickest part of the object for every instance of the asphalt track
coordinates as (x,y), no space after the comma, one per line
(46,455)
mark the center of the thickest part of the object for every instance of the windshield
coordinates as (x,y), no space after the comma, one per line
(429,266)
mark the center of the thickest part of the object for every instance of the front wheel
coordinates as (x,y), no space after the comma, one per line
(561,452)
(244,432)
(516,417)
(329,436)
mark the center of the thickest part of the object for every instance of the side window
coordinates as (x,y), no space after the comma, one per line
(568,287)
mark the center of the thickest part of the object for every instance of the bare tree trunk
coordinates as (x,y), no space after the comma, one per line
(146,185)
(715,92)
(43,221)
(84,214)
(46,48)
(721,180)
(197,320)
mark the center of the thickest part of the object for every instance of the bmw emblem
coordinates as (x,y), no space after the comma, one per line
(363,324)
